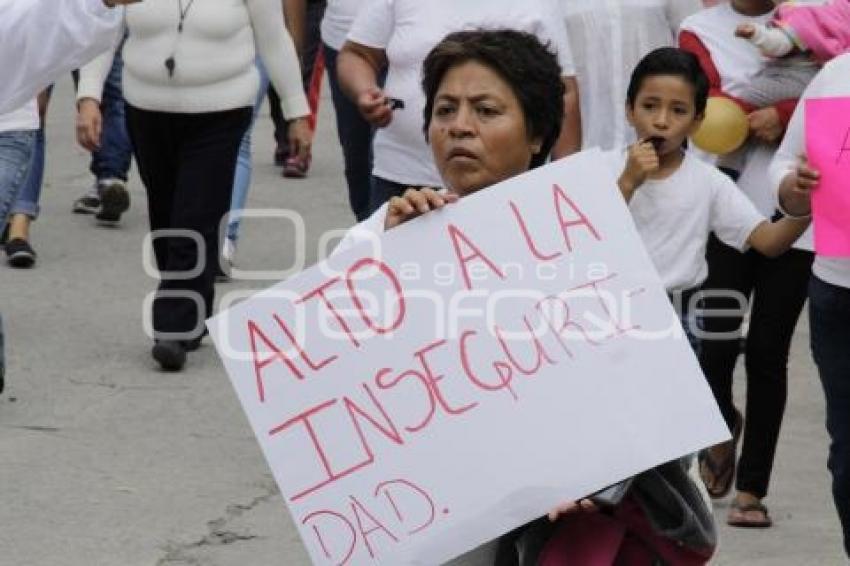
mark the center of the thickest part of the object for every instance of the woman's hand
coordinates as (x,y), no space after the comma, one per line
(89,124)
(413,203)
(374,107)
(570,507)
(795,191)
(765,125)
(300,138)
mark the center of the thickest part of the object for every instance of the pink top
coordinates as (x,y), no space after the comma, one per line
(822,29)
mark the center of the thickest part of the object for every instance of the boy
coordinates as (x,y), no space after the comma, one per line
(676,200)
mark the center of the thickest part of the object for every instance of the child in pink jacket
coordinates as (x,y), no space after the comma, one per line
(820,31)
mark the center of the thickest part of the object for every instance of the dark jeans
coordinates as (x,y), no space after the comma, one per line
(187,163)
(777,291)
(355,137)
(829,319)
(383,190)
(310,54)
(112,160)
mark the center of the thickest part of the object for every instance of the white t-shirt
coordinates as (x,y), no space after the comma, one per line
(832,81)
(737,62)
(674,217)
(24,118)
(407,30)
(608,38)
(339,15)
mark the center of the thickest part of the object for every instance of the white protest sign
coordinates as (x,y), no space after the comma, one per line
(423,394)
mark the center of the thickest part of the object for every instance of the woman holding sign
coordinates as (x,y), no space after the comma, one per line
(493,107)
(829,289)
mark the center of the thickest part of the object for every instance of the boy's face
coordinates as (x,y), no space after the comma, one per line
(664,108)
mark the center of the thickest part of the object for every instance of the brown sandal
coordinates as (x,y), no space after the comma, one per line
(718,475)
(741,515)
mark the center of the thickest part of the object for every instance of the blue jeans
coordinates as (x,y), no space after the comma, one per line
(112,160)
(242,179)
(30,193)
(829,320)
(355,137)
(16,153)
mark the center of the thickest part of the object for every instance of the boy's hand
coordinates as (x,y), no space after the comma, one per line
(413,203)
(643,160)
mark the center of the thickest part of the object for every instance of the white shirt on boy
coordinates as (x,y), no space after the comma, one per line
(674,217)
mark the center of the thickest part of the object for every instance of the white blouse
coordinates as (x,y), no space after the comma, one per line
(608,38)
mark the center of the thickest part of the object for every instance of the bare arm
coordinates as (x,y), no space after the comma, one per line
(358,67)
(775,238)
(569,141)
(295,16)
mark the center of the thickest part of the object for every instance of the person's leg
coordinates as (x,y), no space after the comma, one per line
(155,144)
(781,286)
(16,154)
(2,358)
(829,319)
(16,151)
(725,295)
(312,74)
(206,168)
(19,252)
(111,163)
(242,177)
(355,136)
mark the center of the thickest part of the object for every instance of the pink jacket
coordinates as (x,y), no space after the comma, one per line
(823,29)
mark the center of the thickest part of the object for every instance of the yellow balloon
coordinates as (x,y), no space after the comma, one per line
(724,129)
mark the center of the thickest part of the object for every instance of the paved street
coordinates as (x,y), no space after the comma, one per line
(105,461)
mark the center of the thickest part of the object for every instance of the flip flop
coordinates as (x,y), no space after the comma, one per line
(739,516)
(718,475)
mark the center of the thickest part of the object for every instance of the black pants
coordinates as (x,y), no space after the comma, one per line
(187,164)
(777,289)
(309,54)
(829,318)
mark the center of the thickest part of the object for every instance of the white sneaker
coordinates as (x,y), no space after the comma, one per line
(228,251)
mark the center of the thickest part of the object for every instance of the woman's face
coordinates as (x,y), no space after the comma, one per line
(477,132)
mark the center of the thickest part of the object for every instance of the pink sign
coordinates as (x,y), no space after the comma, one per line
(828,151)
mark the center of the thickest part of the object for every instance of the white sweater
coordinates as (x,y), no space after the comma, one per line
(44,39)
(214,57)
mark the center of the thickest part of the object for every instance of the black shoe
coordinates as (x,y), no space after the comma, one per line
(193,344)
(114,201)
(19,253)
(89,203)
(171,354)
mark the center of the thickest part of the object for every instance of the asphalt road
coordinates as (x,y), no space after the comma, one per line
(107,461)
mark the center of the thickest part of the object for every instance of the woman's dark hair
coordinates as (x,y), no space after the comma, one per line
(671,61)
(528,66)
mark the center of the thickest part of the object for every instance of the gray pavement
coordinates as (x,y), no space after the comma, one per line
(106,461)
